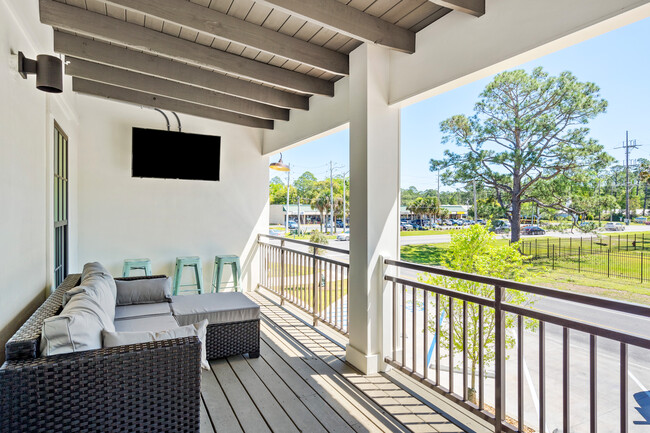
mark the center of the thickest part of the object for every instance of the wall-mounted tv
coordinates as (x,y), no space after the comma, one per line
(175,155)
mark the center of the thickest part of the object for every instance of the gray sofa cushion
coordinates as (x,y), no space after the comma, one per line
(144,291)
(94,268)
(146,324)
(77,328)
(113,339)
(223,307)
(98,287)
(142,310)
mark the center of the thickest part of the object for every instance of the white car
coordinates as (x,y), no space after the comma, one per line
(614,227)
(345,236)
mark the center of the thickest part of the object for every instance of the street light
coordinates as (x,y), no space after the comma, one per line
(281,166)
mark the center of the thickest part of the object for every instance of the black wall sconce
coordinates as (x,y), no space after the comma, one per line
(48,70)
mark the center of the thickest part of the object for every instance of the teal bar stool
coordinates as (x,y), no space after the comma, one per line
(219,263)
(188,262)
(141,264)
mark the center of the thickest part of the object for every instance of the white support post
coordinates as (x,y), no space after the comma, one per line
(374,216)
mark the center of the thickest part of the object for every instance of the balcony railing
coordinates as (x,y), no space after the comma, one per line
(301,273)
(489,331)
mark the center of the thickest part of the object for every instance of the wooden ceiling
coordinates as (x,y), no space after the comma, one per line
(239,61)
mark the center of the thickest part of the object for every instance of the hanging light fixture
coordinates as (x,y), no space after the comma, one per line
(279,166)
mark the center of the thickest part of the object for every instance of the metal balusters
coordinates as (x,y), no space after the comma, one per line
(395,330)
(623,380)
(481,373)
(500,359)
(464,350)
(451,344)
(542,378)
(437,339)
(425,352)
(566,379)
(414,340)
(520,372)
(403,325)
(593,385)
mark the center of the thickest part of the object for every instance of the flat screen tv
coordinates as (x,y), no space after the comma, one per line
(175,155)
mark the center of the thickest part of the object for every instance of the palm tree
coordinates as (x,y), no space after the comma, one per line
(322,203)
(416,207)
(432,207)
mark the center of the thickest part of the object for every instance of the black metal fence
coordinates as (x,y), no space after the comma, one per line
(619,256)
(475,313)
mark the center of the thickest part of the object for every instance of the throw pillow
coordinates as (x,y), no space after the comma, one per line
(144,291)
(113,339)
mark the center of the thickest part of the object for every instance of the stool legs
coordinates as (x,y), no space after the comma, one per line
(136,264)
(217,275)
(195,264)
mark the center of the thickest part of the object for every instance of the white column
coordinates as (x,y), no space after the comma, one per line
(374,197)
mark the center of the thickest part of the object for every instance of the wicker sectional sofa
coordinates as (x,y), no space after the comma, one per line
(146,387)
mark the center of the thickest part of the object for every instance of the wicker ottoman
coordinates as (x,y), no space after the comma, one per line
(233,322)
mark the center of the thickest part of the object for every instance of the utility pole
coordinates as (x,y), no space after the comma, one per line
(332,198)
(344,174)
(628,144)
(299,231)
(286,223)
(475,205)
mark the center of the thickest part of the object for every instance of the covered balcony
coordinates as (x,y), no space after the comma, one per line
(350,340)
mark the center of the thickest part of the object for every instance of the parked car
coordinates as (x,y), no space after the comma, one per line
(292,225)
(406,227)
(614,227)
(345,236)
(339,224)
(533,230)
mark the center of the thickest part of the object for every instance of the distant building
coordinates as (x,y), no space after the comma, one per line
(456,211)
(308,215)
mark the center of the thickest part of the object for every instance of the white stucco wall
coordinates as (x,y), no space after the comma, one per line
(27,117)
(123,217)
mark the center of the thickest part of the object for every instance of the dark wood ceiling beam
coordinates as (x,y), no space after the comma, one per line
(103,90)
(472,7)
(214,23)
(158,86)
(101,52)
(349,21)
(79,20)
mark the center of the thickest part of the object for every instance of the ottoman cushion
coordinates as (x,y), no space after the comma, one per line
(226,307)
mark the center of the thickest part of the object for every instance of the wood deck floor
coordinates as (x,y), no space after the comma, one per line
(301,383)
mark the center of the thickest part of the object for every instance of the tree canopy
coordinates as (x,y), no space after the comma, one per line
(526,129)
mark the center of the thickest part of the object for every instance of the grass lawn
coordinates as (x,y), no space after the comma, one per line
(563,279)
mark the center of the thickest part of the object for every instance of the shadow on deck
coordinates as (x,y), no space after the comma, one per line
(301,382)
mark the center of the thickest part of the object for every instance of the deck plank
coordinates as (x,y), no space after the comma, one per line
(400,404)
(301,382)
(357,411)
(296,409)
(269,408)
(217,405)
(248,415)
(318,406)
(206,425)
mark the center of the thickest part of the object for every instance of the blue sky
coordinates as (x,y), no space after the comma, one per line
(615,61)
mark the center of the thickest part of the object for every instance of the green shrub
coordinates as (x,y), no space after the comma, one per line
(317,237)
